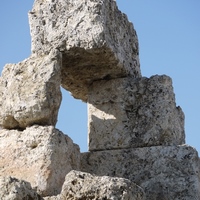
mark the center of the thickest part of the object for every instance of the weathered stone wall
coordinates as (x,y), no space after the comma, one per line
(136,131)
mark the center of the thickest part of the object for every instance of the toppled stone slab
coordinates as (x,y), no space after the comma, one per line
(163,172)
(39,155)
(13,189)
(127,112)
(30,92)
(97,41)
(80,185)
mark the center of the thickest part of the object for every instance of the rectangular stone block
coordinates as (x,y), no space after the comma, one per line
(30,92)
(127,112)
(40,155)
(163,172)
(96,39)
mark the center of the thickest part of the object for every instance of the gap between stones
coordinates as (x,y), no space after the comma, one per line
(72,119)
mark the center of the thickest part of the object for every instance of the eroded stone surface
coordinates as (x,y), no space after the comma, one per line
(80,185)
(30,92)
(130,112)
(163,172)
(97,41)
(90,47)
(13,189)
(39,155)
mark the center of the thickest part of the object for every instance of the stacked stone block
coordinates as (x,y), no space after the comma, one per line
(74,43)
(97,41)
(41,155)
(128,112)
(164,172)
(135,130)
(28,90)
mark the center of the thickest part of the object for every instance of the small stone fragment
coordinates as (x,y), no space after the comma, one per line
(81,185)
(13,189)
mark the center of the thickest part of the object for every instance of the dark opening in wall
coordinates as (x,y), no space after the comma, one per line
(72,119)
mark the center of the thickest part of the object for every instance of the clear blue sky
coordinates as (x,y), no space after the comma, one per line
(169,37)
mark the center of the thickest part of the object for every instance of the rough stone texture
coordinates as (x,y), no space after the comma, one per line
(199,168)
(13,189)
(97,40)
(163,172)
(39,155)
(80,185)
(30,92)
(91,49)
(129,112)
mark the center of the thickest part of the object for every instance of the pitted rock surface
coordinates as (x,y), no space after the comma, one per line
(163,172)
(91,49)
(41,155)
(30,92)
(80,185)
(127,112)
(14,189)
(97,41)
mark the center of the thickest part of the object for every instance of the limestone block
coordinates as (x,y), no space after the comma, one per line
(39,155)
(163,172)
(80,185)
(128,112)
(30,92)
(97,40)
(13,189)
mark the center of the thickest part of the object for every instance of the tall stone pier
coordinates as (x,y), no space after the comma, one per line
(136,136)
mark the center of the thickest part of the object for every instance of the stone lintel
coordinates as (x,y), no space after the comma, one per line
(96,39)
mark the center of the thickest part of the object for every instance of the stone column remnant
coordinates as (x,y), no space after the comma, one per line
(97,41)
(127,112)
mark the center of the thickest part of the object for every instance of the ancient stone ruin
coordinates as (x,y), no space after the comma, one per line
(136,135)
